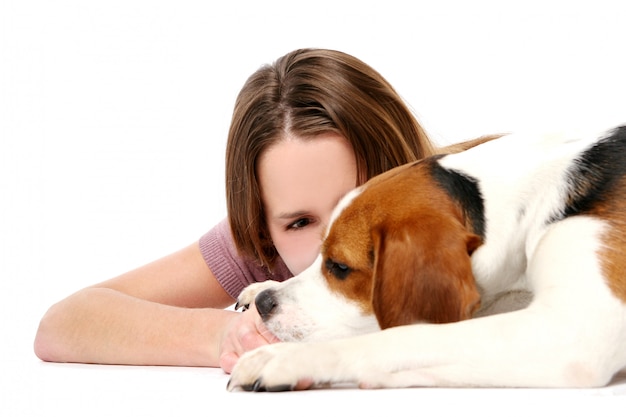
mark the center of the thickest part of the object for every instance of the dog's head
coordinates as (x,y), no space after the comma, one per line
(397,252)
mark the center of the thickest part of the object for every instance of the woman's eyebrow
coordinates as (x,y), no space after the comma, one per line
(292,215)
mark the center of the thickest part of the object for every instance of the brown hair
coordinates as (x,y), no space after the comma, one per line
(308,92)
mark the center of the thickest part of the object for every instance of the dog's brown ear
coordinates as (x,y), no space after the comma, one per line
(422,273)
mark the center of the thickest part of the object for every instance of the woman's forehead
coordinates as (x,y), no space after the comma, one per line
(298,175)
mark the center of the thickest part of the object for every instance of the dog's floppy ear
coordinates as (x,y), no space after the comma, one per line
(422,273)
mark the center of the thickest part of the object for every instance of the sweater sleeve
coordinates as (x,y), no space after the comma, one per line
(231,270)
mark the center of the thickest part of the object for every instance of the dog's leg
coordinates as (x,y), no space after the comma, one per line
(526,348)
(249,293)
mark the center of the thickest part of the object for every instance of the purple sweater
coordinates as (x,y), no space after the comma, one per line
(233,271)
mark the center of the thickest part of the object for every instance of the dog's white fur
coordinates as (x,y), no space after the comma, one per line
(572,334)
(309,312)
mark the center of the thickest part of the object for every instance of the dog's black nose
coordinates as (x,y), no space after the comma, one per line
(265,302)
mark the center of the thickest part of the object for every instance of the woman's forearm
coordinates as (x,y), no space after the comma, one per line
(100,325)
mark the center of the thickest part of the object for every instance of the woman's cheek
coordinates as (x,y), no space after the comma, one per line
(298,253)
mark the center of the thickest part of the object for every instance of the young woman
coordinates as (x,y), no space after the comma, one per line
(305,131)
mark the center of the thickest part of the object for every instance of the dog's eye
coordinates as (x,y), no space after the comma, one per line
(339,270)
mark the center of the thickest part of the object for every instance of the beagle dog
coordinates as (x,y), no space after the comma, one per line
(420,251)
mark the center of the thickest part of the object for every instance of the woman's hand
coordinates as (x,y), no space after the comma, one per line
(245,332)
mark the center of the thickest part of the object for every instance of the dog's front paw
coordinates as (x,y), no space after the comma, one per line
(249,293)
(277,367)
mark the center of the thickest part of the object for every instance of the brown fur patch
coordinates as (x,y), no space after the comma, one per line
(613,255)
(408,249)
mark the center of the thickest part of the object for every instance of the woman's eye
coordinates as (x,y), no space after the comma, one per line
(299,224)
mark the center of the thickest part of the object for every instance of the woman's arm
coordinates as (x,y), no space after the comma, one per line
(168,312)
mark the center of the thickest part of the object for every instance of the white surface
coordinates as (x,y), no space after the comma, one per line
(51,389)
(113,119)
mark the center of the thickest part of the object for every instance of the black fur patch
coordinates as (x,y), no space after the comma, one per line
(464,189)
(595,173)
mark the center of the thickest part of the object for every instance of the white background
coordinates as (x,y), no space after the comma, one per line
(113,121)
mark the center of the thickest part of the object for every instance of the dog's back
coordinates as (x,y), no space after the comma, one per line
(529,182)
